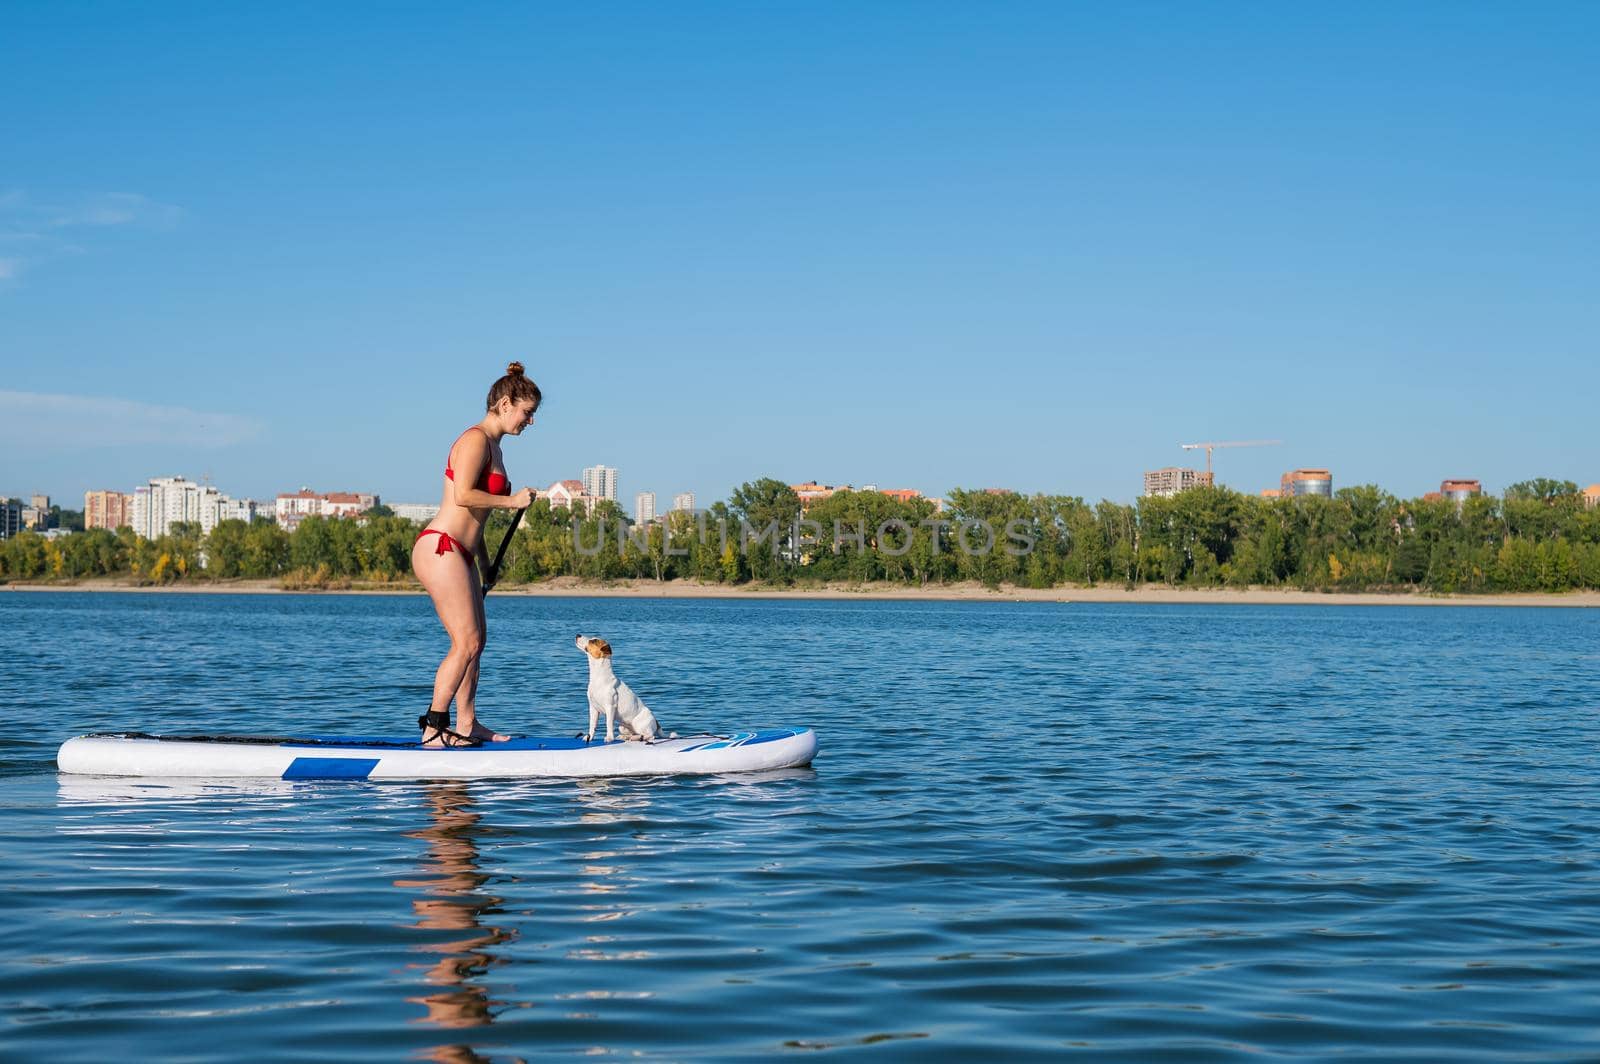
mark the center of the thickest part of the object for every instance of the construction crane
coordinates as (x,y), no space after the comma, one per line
(1207,447)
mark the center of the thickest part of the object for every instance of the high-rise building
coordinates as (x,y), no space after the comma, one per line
(107,509)
(213,507)
(1171,480)
(644,507)
(10,518)
(1298,482)
(683,502)
(165,501)
(600,482)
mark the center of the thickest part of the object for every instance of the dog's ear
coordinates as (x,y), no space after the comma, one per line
(604,647)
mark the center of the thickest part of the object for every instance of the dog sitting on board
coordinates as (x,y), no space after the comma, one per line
(615,700)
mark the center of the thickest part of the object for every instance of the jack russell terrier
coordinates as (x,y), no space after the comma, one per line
(613,698)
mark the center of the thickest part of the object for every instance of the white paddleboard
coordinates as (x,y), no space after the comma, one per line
(378,758)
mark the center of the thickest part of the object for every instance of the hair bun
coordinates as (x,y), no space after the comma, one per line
(515,386)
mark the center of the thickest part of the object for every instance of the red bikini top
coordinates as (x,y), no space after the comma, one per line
(490,481)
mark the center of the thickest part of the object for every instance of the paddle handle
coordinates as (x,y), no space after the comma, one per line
(499,555)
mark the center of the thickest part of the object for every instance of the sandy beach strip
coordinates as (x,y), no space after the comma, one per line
(569,587)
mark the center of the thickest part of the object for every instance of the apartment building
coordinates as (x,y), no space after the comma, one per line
(1171,480)
(1298,482)
(292,507)
(107,509)
(600,482)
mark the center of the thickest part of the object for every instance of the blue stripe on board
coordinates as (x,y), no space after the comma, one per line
(772,736)
(736,739)
(330,768)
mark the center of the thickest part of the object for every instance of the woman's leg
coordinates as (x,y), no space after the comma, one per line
(449,581)
(467,693)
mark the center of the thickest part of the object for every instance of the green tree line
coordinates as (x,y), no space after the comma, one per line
(1538,537)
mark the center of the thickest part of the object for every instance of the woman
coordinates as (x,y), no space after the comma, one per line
(475,482)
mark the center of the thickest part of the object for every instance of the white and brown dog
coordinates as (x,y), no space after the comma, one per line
(613,698)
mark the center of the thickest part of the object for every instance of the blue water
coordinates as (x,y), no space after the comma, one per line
(1123,832)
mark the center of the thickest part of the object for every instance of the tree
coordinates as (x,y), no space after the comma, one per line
(266,550)
(1542,489)
(1119,527)
(1369,515)
(183,543)
(1088,553)
(387,543)
(311,544)
(70,520)
(1274,558)
(1242,569)
(1517,566)
(1411,559)
(766,511)
(226,549)
(23,557)
(107,550)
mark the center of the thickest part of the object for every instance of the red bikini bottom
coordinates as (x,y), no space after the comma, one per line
(446,544)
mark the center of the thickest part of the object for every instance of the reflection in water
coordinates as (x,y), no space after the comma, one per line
(603,872)
(605,880)
(591,904)
(451,899)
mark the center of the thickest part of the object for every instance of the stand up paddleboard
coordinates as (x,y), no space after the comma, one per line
(362,757)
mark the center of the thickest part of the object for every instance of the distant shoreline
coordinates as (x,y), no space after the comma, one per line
(568,587)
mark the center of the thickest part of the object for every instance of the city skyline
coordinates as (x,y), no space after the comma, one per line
(1189,478)
(1165,481)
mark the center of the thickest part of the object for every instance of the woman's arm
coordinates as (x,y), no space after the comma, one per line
(473,452)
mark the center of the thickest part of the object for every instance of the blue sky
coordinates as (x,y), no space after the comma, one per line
(919,245)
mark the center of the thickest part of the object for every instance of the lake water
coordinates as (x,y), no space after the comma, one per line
(1210,833)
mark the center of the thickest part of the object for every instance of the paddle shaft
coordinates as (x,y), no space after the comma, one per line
(499,555)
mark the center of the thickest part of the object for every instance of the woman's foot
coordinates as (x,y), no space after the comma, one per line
(436,733)
(484,734)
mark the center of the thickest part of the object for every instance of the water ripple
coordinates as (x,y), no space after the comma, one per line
(1187,833)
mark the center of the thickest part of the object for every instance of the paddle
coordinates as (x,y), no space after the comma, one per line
(499,555)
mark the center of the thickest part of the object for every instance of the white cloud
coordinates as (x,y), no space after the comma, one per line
(32,418)
(114,208)
(34,231)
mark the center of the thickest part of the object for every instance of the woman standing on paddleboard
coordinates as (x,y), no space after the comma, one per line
(448,552)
